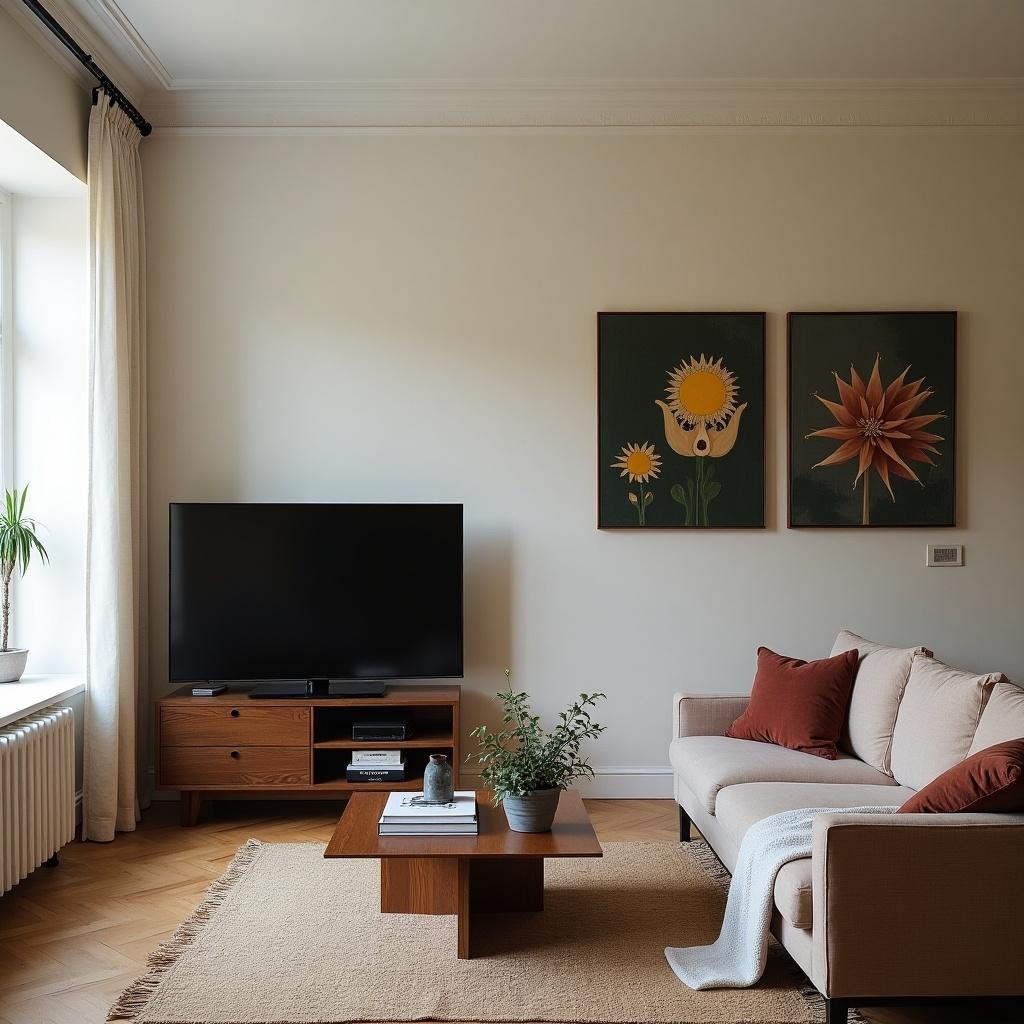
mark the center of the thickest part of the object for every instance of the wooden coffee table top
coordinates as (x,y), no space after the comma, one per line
(572,834)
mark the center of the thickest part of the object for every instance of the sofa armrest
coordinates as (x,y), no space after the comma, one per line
(917,904)
(706,714)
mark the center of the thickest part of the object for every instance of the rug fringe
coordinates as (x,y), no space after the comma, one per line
(136,996)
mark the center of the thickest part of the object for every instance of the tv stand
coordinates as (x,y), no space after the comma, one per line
(229,747)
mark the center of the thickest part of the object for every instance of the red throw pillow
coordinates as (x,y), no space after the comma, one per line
(990,780)
(798,704)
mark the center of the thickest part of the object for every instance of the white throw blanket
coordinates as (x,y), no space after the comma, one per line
(737,958)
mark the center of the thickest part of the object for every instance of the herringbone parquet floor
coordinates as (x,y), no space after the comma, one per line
(73,937)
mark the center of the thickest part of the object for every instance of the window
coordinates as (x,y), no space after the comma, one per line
(44,370)
(6,341)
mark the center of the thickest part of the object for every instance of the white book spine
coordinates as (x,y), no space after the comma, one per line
(428,832)
(360,757)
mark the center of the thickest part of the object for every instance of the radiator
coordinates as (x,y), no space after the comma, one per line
(37,791)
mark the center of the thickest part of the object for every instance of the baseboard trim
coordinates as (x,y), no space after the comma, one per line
(616,782)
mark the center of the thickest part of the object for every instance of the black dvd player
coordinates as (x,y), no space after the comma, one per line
(392,727)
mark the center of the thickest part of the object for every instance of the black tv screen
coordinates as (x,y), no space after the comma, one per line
(338,591)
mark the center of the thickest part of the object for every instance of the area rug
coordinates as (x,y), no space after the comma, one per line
(286,937)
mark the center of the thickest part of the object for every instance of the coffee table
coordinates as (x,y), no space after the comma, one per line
(497,871)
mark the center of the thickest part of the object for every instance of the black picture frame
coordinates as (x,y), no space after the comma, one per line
(722,355)
(831,354)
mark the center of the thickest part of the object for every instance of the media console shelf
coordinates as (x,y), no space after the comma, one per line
(231,747)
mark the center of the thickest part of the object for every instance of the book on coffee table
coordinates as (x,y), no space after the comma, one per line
(404,814)
(467,829)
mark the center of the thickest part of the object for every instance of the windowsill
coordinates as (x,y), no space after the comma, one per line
(32,693)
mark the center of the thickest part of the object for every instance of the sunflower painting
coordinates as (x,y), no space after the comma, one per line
(691,385)
(640,463)
(872,419)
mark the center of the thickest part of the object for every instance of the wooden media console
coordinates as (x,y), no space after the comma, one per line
(233,747)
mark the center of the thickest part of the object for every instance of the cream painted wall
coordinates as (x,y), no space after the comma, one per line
(41,100)
(413,318)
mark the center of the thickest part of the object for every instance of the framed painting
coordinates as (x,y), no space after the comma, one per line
(872,419)
(680,420)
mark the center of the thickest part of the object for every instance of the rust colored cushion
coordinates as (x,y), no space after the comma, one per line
(992,780)
(798,704)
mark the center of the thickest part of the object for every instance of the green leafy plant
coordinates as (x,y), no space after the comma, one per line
(523,757)
(18,541)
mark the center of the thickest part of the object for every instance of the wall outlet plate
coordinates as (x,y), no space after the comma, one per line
(944,554)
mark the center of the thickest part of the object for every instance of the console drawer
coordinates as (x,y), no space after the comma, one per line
(225,767)
(228,724)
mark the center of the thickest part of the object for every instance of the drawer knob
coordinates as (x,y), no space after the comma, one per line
(235,753)
(235,712)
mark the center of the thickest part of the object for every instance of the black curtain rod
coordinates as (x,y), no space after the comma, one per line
(90,65)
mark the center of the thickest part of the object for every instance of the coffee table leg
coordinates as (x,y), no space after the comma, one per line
(464,914)
(419,885)
(507,885)
(498,885)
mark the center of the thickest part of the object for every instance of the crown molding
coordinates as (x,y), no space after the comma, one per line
(131,48)
(592,104)
(563,84)
(94,42)
(213,106)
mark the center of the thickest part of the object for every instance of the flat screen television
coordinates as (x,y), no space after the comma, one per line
(331,591)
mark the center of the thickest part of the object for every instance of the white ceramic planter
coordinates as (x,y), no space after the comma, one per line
(12,665)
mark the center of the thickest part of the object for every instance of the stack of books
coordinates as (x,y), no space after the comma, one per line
(405,815)
(376,766)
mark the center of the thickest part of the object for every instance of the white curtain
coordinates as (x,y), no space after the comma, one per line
(116,541)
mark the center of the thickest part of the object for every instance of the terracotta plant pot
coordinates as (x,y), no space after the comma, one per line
(12,664)
(534,812)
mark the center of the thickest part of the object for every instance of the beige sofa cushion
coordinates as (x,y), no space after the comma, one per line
(1003,717)
(738,807)
(937,720)
(707,764)
(877,690)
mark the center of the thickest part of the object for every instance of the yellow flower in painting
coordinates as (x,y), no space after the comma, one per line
(638,462)
(701,391)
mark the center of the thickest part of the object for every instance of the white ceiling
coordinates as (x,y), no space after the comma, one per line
(221,43)
(410,65)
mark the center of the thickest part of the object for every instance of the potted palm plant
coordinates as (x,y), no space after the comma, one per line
(528,767)
(18,541)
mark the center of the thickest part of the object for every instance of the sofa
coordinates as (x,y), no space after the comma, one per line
(887,908)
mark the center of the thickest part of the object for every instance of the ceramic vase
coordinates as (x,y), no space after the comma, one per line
(438,785)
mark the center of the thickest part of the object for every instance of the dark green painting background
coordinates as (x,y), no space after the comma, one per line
(636,352)
(821,343)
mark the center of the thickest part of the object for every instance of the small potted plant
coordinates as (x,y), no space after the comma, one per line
(528,767)
(18,541)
